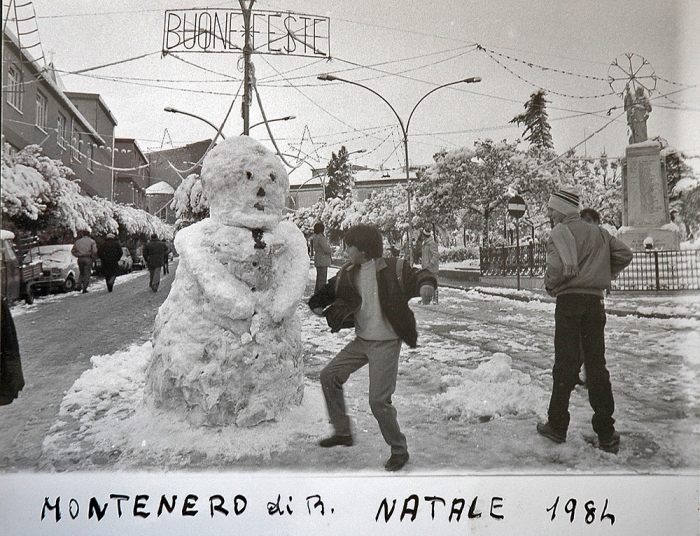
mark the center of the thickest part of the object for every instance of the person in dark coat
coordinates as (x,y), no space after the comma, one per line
(11,377)
(153,253)
(109,253)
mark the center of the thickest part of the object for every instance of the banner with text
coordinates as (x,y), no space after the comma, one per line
(223,30)
(292,503)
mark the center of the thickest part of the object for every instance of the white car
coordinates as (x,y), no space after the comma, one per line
(126,263)
(60,267)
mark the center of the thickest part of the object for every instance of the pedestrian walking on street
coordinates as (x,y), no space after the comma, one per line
(430,258)
(370,293)
(581,261)
(154,252)
(109,253)
(85,250)
(322,255)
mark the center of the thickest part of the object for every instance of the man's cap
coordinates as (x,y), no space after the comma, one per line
(111,235)
(427,232)
(565,200)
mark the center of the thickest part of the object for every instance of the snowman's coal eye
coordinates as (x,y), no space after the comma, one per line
(249,175)
(273,177)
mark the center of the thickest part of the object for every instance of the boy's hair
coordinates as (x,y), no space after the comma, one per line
(590,215)
(366,238)
(319,227)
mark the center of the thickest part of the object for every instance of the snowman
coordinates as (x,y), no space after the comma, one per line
(227,341)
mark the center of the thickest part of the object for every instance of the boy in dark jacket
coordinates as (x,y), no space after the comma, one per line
(367,294)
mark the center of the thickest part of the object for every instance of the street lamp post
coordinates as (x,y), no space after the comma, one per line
(285,118)
(212,125)
(404,131)
(176,111)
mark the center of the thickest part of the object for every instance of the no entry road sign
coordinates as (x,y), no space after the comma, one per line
(516,206)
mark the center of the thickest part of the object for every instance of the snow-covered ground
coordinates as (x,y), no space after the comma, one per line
(468,395)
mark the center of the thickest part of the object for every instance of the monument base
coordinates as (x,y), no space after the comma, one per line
(664,239)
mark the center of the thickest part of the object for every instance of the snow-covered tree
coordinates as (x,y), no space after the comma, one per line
(40,197)
(479,180)
(306,217)
(335,217)
(537,128)
(340,175)
(388,210)
(189,202)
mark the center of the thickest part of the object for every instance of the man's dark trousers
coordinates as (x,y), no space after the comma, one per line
(580,322)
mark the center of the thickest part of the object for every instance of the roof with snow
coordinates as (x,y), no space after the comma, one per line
(160,188)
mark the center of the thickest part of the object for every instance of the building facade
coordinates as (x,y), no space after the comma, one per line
(130,173)
(367,181)
(37,111)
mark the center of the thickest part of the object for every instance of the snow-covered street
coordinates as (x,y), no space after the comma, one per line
(468,399)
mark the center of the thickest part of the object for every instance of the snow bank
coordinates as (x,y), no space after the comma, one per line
(493,389)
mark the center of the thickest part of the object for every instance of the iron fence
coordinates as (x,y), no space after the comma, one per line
(502,261)
(652,270)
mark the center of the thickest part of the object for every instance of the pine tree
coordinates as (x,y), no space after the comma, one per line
(537,128)
(340,175)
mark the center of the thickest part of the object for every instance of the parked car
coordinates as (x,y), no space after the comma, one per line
(60,267)
(126,263)
(139,262)
(19,272)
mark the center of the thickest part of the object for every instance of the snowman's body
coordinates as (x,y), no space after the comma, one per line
(227,344)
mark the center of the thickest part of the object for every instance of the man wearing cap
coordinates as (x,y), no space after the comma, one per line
(85,250)
(581,261)
(109,253)
(430,258)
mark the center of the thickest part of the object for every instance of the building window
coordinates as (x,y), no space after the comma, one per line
(89,156)
(61,131)
(42,111)
(74,142)
(15,87)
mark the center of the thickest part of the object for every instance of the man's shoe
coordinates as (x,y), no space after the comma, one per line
(85,291)
(336,440)
(545,430)
(396,462)
(611,445)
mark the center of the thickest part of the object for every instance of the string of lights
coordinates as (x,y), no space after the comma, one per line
(538,86)
(542,67)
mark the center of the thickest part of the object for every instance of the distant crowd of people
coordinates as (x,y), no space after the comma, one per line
(156,253)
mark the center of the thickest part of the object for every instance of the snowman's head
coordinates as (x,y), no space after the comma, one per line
(245,183)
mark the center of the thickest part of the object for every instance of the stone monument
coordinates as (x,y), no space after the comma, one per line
(646,222)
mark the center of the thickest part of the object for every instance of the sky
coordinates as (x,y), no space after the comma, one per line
(400,50)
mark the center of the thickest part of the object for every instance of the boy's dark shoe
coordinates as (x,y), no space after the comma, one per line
(611,444)
(545,430)
(336,440)
(396,462)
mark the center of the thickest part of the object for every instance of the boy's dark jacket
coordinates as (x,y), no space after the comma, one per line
(393,301)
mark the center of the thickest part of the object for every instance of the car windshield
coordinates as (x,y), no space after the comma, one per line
(53,254)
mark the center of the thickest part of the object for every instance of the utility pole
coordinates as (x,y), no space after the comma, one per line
(247,65)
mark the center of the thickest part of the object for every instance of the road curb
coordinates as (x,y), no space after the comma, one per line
(616,312)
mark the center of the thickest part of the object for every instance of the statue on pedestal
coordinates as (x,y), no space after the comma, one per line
(638,108)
